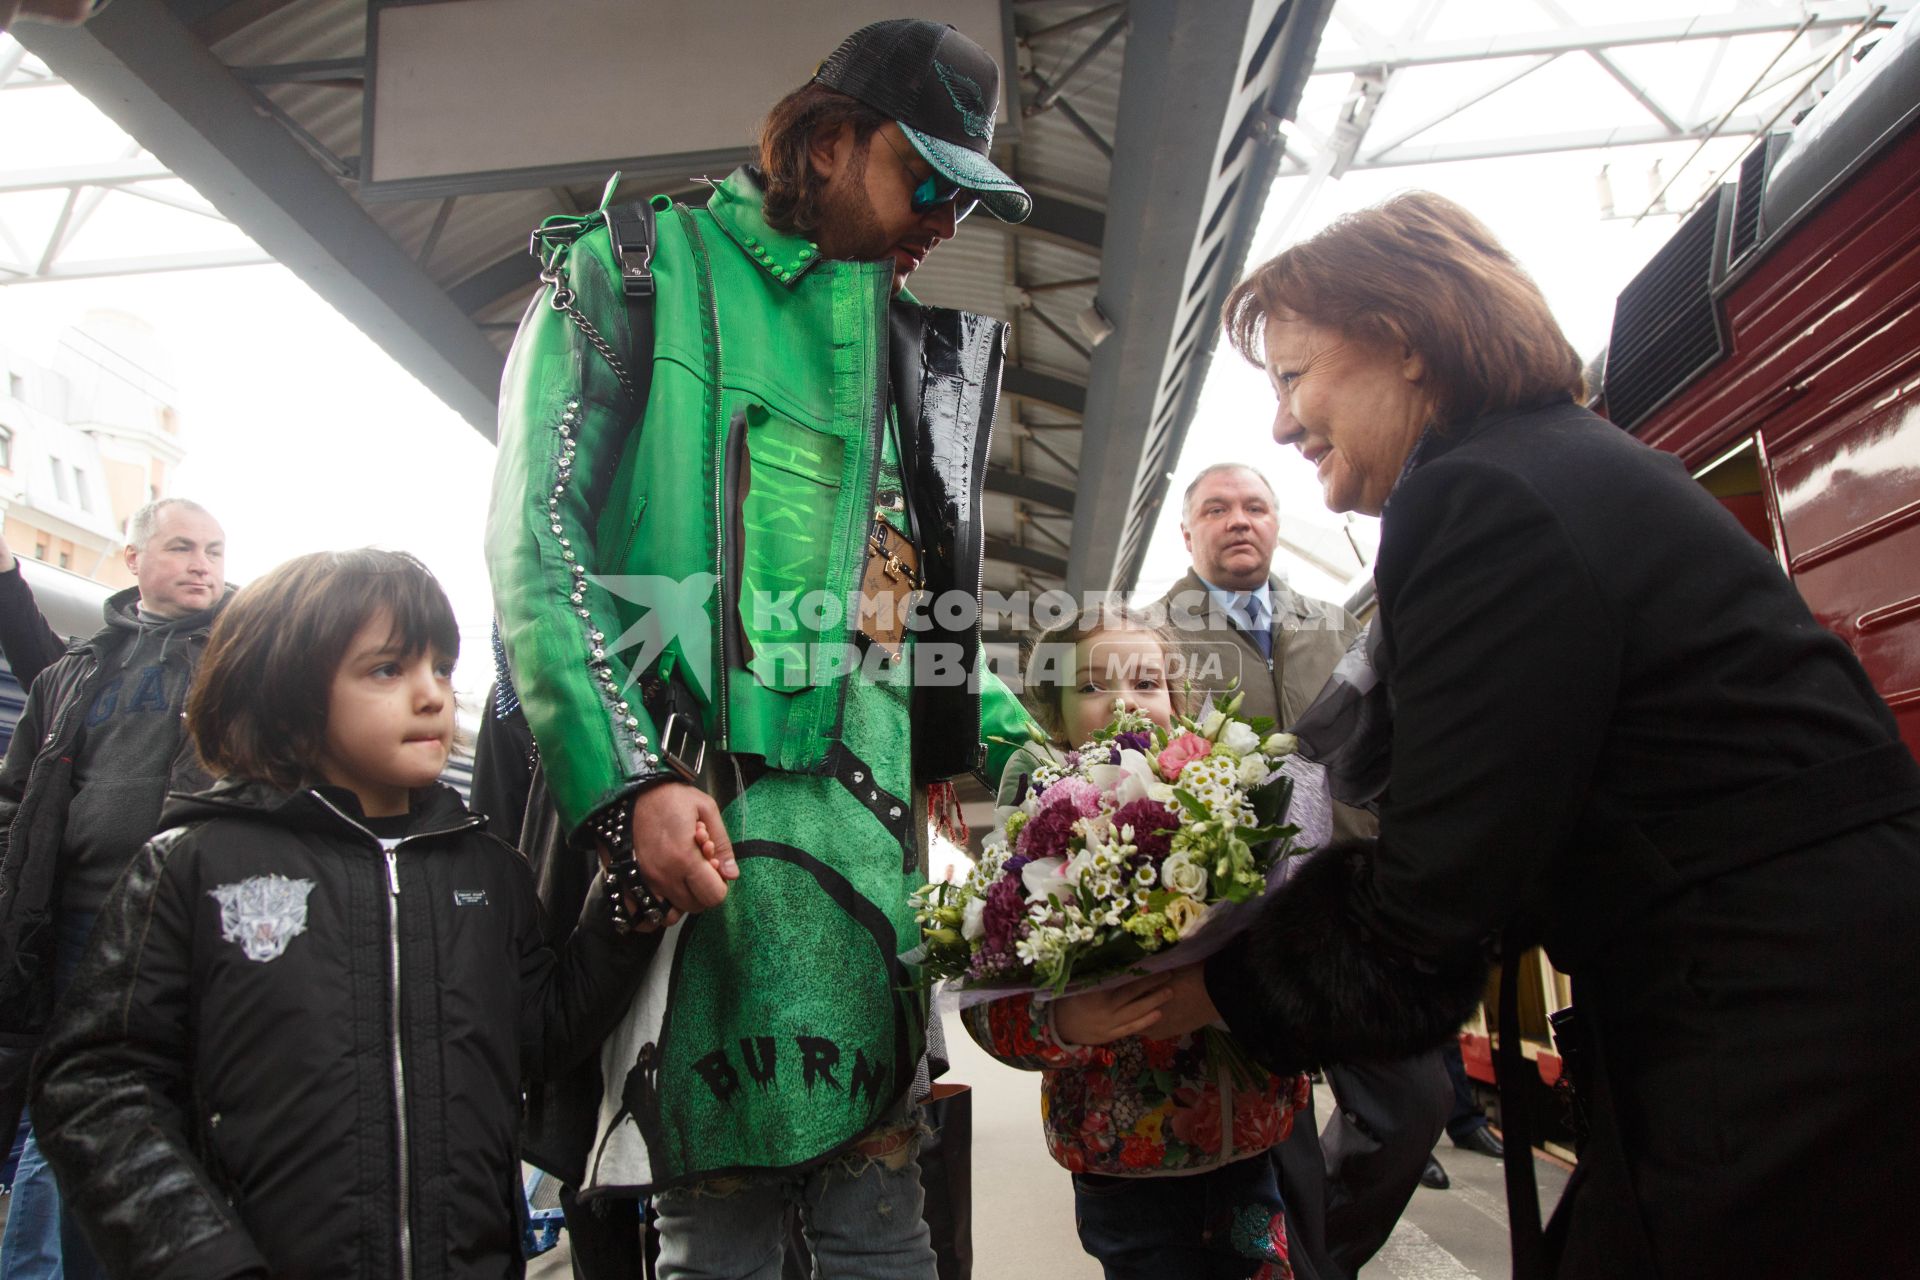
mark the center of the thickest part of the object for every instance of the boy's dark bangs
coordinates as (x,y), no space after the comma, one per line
(422,615)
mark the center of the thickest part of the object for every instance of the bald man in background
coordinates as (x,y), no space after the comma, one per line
(1239,623)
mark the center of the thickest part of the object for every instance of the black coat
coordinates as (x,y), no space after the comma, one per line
(29,645)
(36,788)
(217,1094)
(1618,731)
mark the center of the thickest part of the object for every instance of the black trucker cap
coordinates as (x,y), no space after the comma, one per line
(942,90)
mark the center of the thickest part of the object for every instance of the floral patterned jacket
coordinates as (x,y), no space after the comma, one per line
(1140,1107)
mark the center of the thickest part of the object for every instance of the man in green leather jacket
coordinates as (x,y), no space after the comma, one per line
(677,537)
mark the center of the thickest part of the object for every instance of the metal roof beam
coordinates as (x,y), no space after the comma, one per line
(1026,557)
(1638,91)
(1192,124)
(108,267)
(1068,222)
(1547,143)
(214,20)
(1460,104)
(104,173)
(319,71)
(1518,44)
(1068,397)
(1005,480)
(139,64)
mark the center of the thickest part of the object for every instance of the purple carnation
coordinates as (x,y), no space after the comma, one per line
(1153,826)
(1004,916)
(1047,832)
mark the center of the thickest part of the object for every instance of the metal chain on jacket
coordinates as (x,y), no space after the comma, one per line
(556,237)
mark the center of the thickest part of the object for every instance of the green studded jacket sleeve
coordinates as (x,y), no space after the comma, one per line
(564,421)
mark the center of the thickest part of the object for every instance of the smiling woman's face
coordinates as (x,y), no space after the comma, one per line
(1353,409)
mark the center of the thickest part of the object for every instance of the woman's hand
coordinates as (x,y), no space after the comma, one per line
(1101,1017)
(1188,1006)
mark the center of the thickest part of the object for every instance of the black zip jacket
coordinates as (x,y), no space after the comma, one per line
(29,645)
(36,786)
(291,1053)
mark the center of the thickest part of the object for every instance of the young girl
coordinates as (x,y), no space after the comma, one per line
(1166,1141)
(296,1043)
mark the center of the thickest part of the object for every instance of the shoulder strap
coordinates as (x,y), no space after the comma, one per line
(632,229)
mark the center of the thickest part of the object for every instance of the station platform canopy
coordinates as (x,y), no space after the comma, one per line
(395,154)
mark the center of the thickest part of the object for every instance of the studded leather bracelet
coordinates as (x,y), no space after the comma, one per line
(613,828)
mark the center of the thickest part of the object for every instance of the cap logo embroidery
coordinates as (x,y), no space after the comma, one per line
(263,914)
(976,113)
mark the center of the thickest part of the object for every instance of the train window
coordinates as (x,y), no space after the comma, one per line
(1735,478)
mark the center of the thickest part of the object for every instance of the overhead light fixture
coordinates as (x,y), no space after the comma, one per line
(1094,325)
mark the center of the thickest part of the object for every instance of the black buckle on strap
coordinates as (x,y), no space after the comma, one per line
(632,230)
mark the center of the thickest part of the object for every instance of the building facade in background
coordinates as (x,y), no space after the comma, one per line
(87,435)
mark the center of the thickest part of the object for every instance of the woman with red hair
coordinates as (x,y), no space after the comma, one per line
(1593,715)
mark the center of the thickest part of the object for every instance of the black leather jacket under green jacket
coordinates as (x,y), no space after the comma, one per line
(291,1052)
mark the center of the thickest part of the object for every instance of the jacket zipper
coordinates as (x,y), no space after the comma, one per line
(719,474)
(876,450)
(393,1017)
(399,1067)
(982,450)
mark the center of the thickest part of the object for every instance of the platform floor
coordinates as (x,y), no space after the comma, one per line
(1023,1202)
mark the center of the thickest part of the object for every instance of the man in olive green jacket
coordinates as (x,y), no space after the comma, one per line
(675,539)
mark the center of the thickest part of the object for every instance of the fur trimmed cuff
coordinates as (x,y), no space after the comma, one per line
(1309,983)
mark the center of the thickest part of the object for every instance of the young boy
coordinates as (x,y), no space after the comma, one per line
(296,1043)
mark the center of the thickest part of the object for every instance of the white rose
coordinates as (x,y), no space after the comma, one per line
(1253,771)
(973,921)
(1240,738)
(1280,744)
(1186,916)
(1210,726)
(1182,874)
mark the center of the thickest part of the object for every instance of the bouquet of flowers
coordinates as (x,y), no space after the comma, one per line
(1139,851)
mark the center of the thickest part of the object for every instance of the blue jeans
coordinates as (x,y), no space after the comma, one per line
(1225,1224)
(43,1241)
(862,1218)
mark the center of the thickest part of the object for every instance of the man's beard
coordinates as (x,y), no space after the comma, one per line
(847,218)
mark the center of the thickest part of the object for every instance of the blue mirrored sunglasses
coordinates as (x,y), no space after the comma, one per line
(938,189)
(935,189)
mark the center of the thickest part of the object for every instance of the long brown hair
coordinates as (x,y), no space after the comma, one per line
(794,189)
(258,708)
(1420,273)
